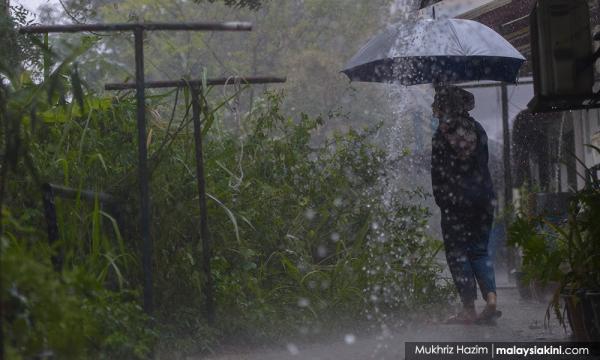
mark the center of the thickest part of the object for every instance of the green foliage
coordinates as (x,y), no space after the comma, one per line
(566,252)
(404,273)
(68,315)
(71,314)
(290,222)
(581,236)
(543,252)
(299,231)
(292,225)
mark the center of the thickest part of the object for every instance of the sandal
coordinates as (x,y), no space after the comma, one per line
(488,317)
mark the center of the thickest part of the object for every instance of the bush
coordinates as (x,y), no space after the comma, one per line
(297,231)
(68,315)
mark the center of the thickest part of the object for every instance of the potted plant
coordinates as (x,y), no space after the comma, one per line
(542,255)
(580,275)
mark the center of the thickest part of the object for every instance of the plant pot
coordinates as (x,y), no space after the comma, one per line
(523,286)
(591,313)
(575,314)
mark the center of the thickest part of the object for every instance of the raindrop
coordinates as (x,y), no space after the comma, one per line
(322,251)
(335,237)
(303,302)
(310,214)
(293,349)
(350,339)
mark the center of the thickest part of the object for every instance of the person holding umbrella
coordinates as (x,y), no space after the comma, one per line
(444,51)
(463,189)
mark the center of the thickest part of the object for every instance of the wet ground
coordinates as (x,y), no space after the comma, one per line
(522,320)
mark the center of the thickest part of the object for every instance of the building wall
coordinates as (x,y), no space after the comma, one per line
(511,20)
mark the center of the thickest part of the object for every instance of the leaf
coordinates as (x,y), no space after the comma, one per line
(210,114)
(593,147)
(96,240)
(112,262)
(83,133)
(76,87)
(115,226)
(231,217)
(99,157)
(186,96)
(291,269)
(248,222)
(53,82)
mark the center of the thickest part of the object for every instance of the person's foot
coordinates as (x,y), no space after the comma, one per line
(488,316)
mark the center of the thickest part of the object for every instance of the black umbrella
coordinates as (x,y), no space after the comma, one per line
(427,51)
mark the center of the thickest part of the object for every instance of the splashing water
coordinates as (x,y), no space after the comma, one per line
(407,145)
(404,9)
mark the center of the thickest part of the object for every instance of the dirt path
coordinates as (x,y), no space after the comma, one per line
(522,321)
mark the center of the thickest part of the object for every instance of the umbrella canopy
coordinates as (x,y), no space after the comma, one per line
(426,51)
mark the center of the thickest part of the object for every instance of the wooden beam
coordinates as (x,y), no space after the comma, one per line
(73,28)
(198,83)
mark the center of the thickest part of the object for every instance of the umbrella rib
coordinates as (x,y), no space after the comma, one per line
(455,34)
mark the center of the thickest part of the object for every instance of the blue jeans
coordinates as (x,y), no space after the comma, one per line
(466,236)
